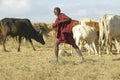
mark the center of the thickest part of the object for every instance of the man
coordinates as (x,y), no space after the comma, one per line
(63,29)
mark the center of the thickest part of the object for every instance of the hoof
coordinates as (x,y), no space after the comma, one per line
(6,50)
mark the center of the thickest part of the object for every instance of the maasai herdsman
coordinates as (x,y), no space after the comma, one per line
(63,32)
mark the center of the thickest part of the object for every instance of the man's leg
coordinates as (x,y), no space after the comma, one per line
(77,50)
(56,50)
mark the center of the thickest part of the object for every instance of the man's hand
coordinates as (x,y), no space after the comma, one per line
(61,21)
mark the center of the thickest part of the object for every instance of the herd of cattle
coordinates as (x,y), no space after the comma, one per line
(95,34)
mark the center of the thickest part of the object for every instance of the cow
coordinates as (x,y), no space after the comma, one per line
(21,28)
(85,33)
(83,21)
(46,28)
(95,25)
(87,22)
(109,30)
(75,22)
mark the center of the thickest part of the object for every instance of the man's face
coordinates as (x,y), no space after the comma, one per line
(56,12)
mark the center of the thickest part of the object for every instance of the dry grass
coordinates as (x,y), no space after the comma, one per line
(40,65)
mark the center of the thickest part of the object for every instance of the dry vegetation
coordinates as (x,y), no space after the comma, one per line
(40,65)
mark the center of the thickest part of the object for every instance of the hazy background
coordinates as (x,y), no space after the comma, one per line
(42,10)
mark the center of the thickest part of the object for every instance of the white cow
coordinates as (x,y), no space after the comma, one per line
(87,34)
(109,28)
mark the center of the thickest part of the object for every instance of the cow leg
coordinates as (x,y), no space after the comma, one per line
(110,42)
(77,41)
(4,41)
(90,50)
(32,44)
(94,47)
(80,44)
(117,45)
(19,43)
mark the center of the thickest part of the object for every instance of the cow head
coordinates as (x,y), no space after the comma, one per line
(40,37)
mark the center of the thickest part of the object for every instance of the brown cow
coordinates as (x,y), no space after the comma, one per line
(95,25)
(75,22)
(41,25)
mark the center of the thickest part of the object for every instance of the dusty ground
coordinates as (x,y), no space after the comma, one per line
(40,64)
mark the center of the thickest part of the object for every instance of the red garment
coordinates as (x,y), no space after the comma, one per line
(66,35)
